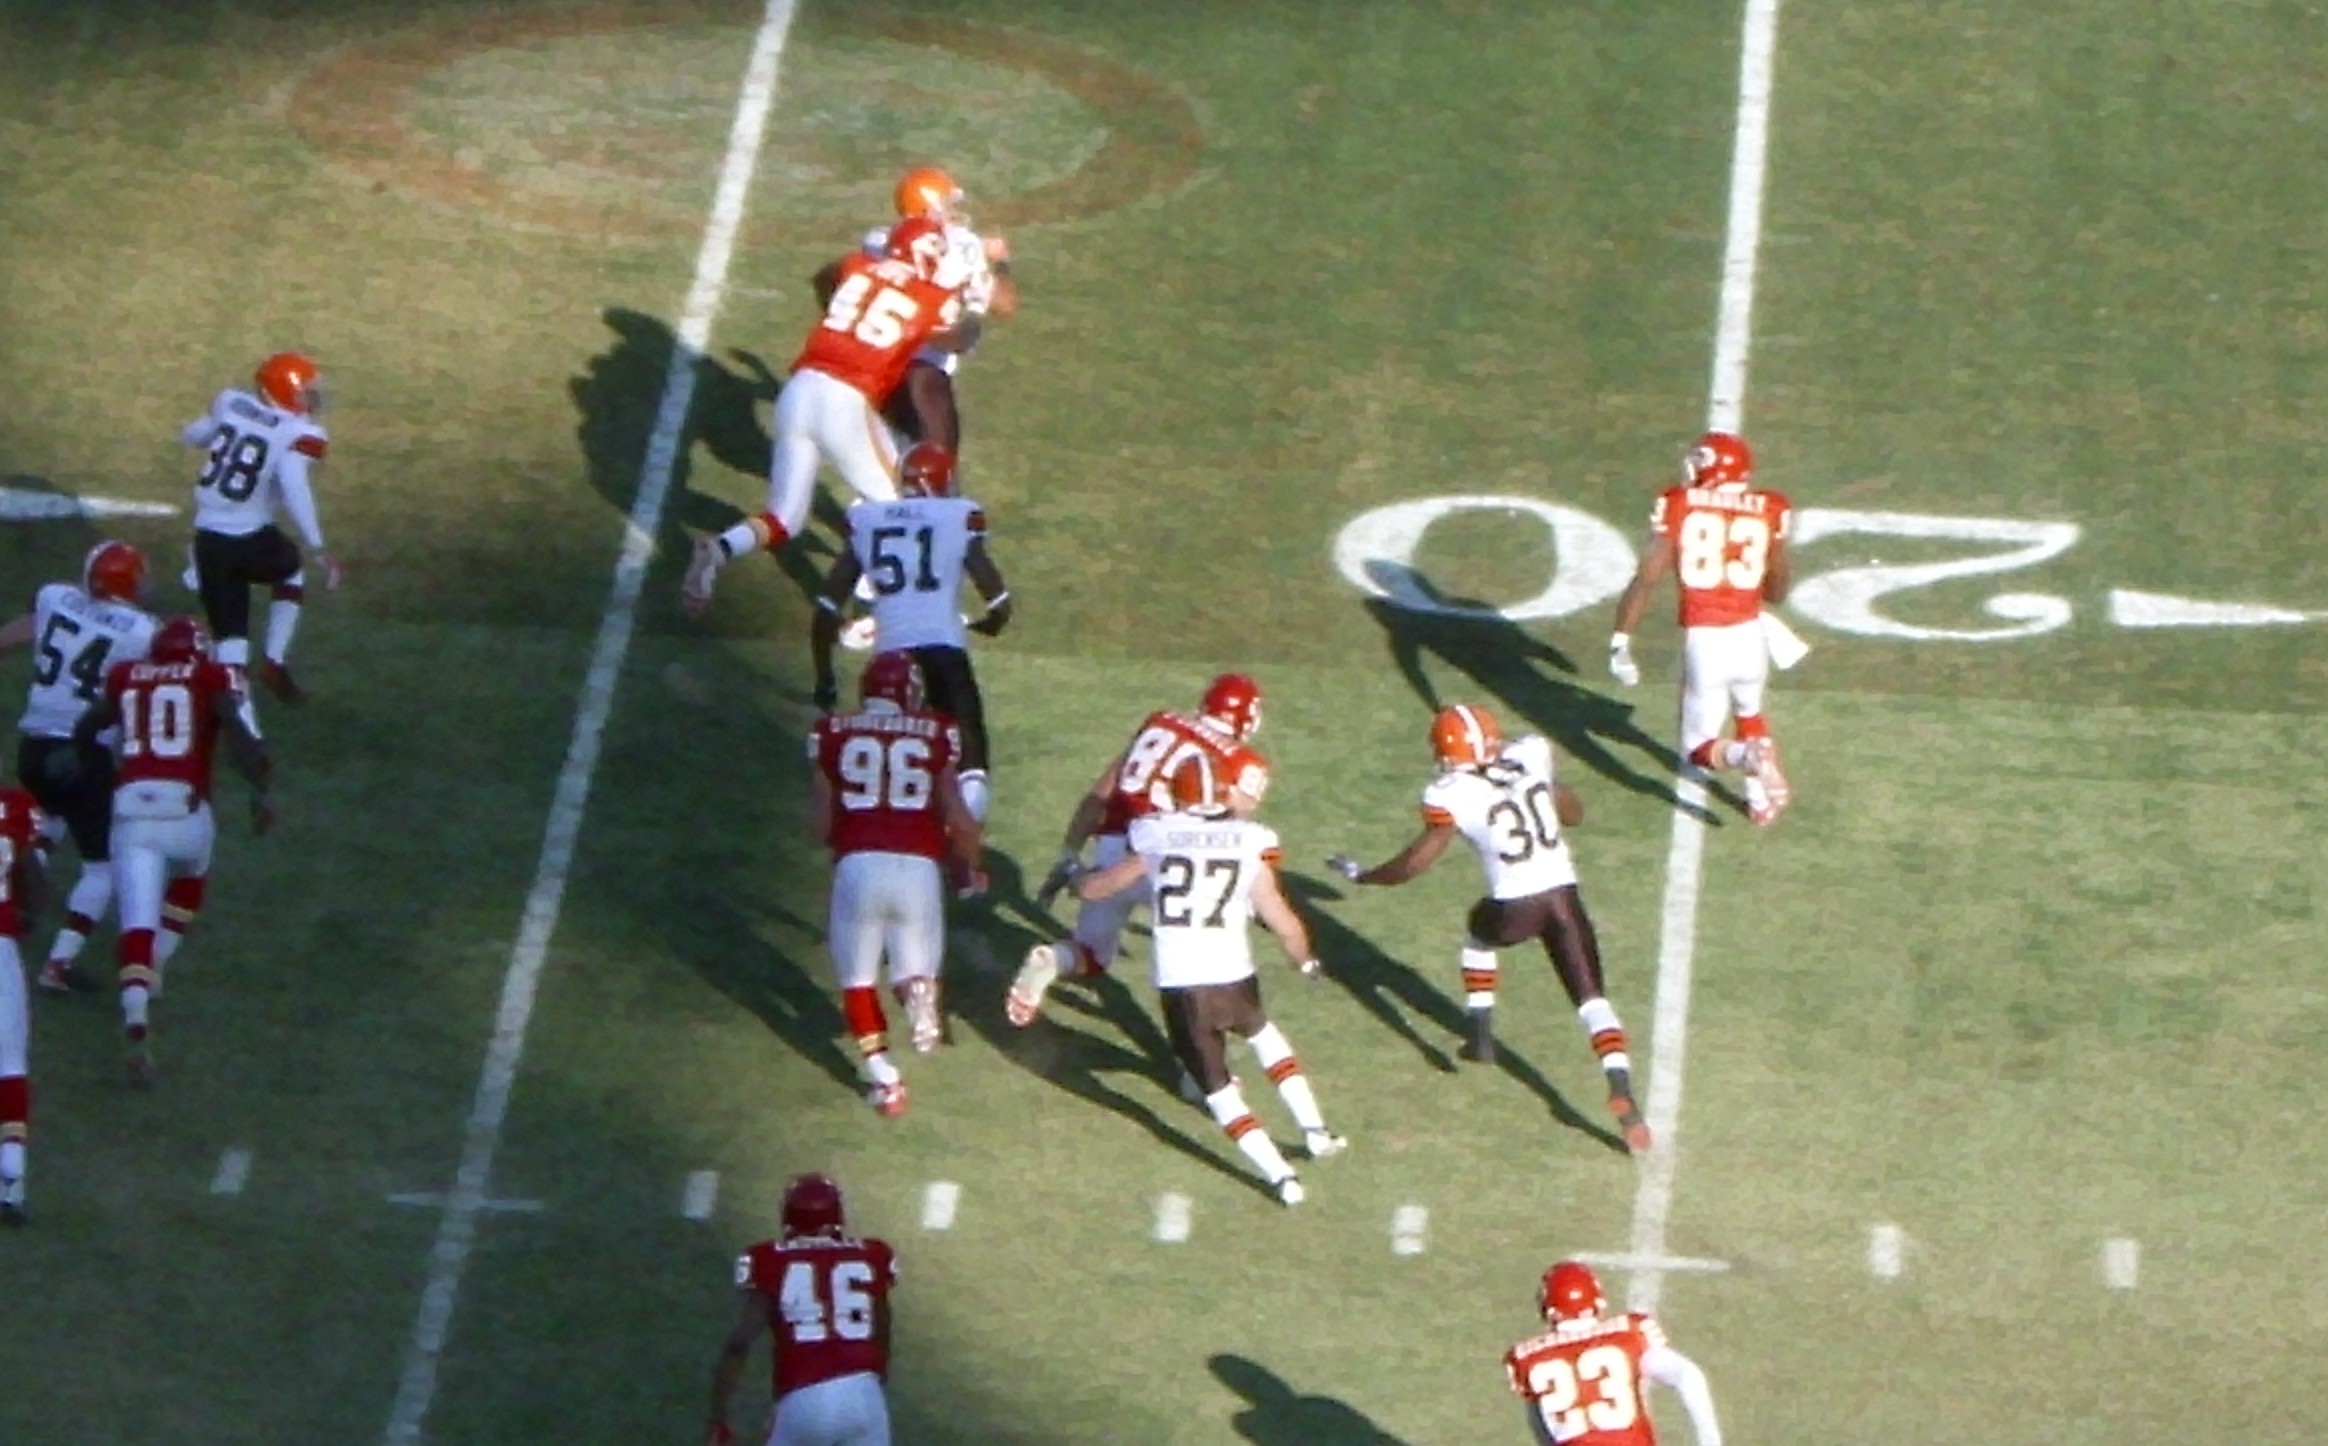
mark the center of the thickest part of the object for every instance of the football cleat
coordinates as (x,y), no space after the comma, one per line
(1289,1191)
(887,1099)
(1629,1121)
(1323,1143)
(702,575)
(920,998)
(1762,759)
(66,976)
(1034,980)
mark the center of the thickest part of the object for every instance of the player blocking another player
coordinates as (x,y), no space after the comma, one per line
(1724,541)
(915,552)
(171,708)
(259,447)
(1585,1375)
(1503,799)
(1208,874)
(887,800)
(822,1295)
(924,407)
(1226,718)
(881,311)
(20,888)
(78,633)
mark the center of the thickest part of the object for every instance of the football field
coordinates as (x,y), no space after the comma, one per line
(1356,341)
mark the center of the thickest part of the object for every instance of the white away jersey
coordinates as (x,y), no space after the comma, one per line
(75,639)
(1201,869)
(967,269)
(256,459)
(913,550)
(1506,812)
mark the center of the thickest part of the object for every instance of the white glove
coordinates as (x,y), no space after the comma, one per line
(1348,867)
(1621,664)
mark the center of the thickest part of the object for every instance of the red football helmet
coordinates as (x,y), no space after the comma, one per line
(1234,702)
(1570,1292)
(920,241)
(1720,459)
(1194,786)
(928,191)
(179,640)
(290,382)
(114,570)
(812,1206)
(1465,736)
(926,470)
(892,677)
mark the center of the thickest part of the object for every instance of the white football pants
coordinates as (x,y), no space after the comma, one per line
(153,843)
(15,1013)
(1099,923)
(886,904)
(1723,671)
(819,416)
(844,1411)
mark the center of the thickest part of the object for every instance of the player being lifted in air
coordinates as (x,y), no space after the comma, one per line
(1503,800)
(259,447)
(924,407)
(1724,541)
(1206,875)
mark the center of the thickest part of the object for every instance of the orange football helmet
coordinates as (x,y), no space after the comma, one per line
(812,1206)
(1234,702)
(928,191)
(1465,736)
(926,470)
(114,570)
(892,677)
(290,382)
(1193,786)
(1570,1292)
(1718,459)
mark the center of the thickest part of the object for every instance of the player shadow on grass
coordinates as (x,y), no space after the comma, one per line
(619,395)
(788,995)
(1390,991)
(1521,673)
(1277,1416)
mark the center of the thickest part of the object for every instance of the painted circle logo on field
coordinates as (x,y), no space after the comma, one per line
(609,120)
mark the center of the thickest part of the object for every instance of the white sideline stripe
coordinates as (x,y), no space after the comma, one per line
(1626,1260)
(1677,941)
(939,1202)
(701,1196)
(435,1200)
(457,1232)
(1408,1227)
(1886,1248)
(2121,1262)
(234,1172)
(1172,1218)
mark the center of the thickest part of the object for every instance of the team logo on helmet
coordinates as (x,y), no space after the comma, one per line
(1718,459)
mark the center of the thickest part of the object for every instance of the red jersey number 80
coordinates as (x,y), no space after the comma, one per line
(1722,549)
(1559,1389)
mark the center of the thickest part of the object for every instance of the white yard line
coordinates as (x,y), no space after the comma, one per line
(939,1203)
(457,1231)
(1684,862)
(701,1195)
(234,1172)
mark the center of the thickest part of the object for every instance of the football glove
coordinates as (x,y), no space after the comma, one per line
(1621,664)
(1348,867)
(1312,968)
(1056,881)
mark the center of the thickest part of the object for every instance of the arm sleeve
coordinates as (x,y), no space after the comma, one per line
(1667,1366)
(299,497)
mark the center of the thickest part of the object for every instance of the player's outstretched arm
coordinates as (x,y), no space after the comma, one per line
(1667,1366)
(734,1353)
(1411,862)
(1280,918)
(17,632)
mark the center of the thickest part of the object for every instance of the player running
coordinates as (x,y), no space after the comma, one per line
(1585,1375)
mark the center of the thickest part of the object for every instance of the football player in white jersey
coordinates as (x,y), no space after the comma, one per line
(78,632)
(915,552)
(258,449)
(1503,800)
(923,407)
(1208,874)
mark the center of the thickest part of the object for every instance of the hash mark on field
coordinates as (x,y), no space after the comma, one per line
(1885,1247)
(2121,1262)
(234,1172)
(1407,1226)
(1172,1218)
(701,1194)
(938,1204)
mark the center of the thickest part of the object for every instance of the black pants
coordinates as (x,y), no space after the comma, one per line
(1199,1020)
(74,784)
(230,565)
(1557,919)
(951,688)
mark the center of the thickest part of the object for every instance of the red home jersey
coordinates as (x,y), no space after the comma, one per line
(169,720)
(1162,742)
(828,1303)
(884,768)
(880,313)
(1586,1381)
(19,824)
(1722,539)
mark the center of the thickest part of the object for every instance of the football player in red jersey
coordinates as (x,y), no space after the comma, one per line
(1724,541)
(887,800)
(1585,1375)
(171,706)
(830,407)
(923,408)
(1225,721)
(823,1296)
(21,885)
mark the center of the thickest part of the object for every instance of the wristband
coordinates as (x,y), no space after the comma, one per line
(826,604)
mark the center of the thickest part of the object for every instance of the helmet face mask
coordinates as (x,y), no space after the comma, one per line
(115,571)
(813,1207)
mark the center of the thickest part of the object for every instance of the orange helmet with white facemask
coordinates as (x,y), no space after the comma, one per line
(928,191)
(290,382)
(1465,736)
